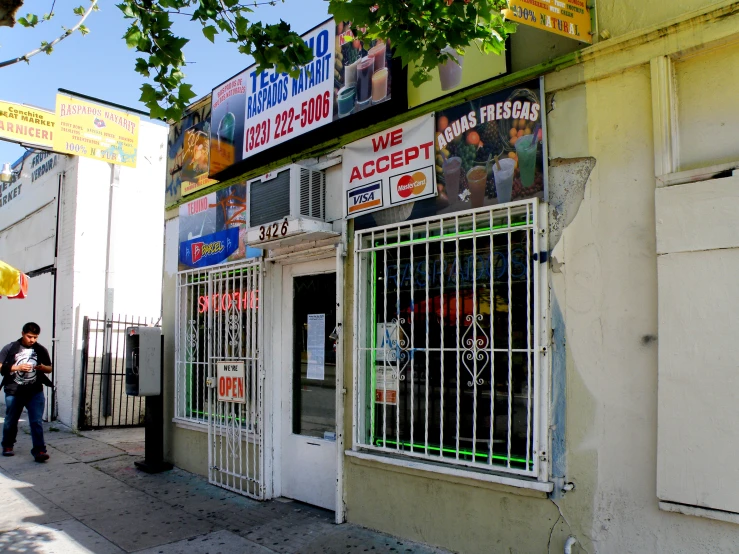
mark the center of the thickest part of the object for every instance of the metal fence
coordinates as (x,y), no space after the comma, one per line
(104,402)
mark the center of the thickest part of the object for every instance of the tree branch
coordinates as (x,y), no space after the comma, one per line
(48,47)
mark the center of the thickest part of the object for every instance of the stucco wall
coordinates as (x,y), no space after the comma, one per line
(623,16)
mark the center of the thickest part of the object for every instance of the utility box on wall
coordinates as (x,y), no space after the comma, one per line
(143,361)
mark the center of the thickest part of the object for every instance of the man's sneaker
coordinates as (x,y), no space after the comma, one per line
(41,457)
(8,452)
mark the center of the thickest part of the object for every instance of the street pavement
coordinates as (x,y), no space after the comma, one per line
(90,498)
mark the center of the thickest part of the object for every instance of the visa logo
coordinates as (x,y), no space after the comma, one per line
(362,198)
(365,198)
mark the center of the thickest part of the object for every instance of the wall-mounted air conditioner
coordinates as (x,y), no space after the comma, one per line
(286,207)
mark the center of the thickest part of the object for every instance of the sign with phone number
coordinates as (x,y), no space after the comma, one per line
(288,123)
(280,107)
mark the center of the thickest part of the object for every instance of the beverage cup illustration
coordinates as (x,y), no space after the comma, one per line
(379,85)
(365,69)
(476,181)
(378,53)
(451,170)
(450,72)
(526,148)
(346,98)
(504,179)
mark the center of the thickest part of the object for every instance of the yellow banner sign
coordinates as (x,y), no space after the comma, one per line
(569,18)
(96,131)
(27,125)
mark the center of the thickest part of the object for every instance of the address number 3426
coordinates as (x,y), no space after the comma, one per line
(273,230)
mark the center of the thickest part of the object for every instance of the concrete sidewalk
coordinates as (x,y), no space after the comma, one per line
(89,498)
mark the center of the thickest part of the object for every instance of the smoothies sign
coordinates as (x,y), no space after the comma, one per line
(279,108)
(489,150)
(569,18)
(390,168)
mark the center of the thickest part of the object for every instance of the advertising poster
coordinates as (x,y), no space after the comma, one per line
(279,108)
(392,168)
(386,386)
(198,114)
(27,125)
(96,131)
(488,151)
(195,158)
(228,104)
(213,229)
(463,71)
(362,76)
(569,18)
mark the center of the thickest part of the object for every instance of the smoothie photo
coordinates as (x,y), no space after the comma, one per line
(377,52)
(476,181)
(345,99)
(452,173)
(365,69)
(379,85)
(526,148)
(450,72)
(503,173)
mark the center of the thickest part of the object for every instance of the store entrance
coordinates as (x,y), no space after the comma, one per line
(308,457)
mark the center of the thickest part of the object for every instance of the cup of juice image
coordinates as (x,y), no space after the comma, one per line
(365,69)
(379,85)
(504,179)
(476,181)
(526,148)
(450,72)
(452,171)
(378,53)
(345,99)
(350,73)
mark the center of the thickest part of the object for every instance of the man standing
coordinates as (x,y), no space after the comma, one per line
(25,364)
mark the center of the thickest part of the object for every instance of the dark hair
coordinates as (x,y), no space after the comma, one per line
(32,328)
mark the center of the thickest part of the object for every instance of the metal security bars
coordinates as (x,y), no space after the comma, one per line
(235,436)
(104,402)
(191,346)
(218,319)
(447,326)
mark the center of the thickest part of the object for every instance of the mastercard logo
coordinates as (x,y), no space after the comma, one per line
(409,185)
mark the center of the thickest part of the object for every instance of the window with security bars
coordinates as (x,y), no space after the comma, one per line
(217,320)
(447,363)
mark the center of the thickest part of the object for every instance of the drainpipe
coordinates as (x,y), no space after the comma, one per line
(340,390)
(569,543)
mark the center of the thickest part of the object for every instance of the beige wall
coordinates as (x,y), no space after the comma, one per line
(623,16)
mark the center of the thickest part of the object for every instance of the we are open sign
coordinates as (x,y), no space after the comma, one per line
(231,382)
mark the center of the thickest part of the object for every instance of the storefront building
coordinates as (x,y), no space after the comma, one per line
(492,317)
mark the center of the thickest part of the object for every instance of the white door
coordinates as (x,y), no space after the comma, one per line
(308,411)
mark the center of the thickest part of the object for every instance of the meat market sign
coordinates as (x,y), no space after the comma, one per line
(27,125)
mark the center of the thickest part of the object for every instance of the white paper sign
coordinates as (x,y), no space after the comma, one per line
(388,346)
(231,382)
(279,108)
(316,346)
(390,168)
(386,386)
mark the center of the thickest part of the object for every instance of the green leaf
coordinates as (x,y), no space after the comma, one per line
(79,10)
(148,94)
(132,36)
(210,32)
(83,30)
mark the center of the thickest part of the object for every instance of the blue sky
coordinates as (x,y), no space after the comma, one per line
(101,65)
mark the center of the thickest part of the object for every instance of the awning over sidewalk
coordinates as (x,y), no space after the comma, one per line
(13,282)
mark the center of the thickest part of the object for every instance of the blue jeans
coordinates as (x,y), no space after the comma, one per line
(35,407)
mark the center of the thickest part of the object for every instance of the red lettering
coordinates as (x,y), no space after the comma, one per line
(241,387)
(226,302)
(222,386)
(202,304)
(381,142)
(396,159)
(385,160)
(410,154)
(426,147)
(368,172)
(355,175)
(215,302)
(396,137)
(229,386)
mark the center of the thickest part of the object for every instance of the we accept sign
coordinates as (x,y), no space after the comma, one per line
(390,168)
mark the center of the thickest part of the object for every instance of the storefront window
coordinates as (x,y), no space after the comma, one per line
(448,364)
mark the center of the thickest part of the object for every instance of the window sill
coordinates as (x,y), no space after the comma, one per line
(190,425)
(688,510)
(452,474)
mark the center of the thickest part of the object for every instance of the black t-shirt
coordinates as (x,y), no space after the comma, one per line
(23,382)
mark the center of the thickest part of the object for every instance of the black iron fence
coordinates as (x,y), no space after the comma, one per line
(104,402)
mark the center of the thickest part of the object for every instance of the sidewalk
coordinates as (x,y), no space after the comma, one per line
(89,498)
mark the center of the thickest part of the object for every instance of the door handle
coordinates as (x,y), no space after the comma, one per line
(313,443)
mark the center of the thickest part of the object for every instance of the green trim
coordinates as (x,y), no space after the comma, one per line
(373,353)
(488,87)
(486,456)
(457,234)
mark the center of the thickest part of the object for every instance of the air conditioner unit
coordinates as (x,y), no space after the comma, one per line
(286,207)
